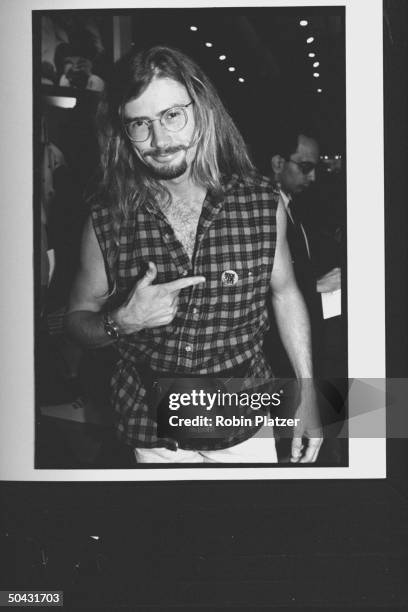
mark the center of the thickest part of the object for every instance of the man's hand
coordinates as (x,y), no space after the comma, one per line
(151,305)
(330,281)
(309,426)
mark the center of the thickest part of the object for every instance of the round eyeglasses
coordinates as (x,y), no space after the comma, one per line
(173,120)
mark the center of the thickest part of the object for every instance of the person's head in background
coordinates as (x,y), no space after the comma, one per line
(294,159)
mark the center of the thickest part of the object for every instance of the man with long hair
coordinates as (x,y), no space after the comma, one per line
(183,245)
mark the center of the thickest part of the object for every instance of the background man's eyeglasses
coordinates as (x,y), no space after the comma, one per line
(173,120)
(305,167)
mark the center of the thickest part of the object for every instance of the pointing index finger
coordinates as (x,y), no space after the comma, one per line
(182,283)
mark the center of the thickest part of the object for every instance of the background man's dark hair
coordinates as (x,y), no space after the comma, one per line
(285,141)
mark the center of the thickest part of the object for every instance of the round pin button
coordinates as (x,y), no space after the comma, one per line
(229,278)
(188,348)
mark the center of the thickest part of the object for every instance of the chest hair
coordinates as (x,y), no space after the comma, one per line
(183,216)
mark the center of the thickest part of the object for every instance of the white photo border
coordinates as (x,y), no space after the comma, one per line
(365,230)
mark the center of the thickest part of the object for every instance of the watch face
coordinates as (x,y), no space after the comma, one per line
(111,331)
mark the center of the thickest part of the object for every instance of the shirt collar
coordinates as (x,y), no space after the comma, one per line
(286,199)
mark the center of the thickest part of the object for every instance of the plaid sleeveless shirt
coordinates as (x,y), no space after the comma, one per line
(218,326)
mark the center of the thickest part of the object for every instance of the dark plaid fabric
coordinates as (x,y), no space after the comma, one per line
(218,326)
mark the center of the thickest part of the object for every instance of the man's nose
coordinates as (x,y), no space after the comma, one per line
(312,175)
(160,137)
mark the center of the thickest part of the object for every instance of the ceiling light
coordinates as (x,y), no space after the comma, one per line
(310,40)
(311,54)
(319,90)
(316,64)
(193,28)
(231,69)
(303,22)
(316,75)
(241,80)
(208,44)
(222,57)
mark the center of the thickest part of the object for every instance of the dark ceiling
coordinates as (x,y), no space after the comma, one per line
(268,48)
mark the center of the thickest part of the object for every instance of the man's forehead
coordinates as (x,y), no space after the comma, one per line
(160,94)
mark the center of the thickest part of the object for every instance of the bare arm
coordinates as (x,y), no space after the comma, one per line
(294,328)
(88,295)
(289,307)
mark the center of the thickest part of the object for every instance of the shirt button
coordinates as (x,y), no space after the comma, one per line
(188,348)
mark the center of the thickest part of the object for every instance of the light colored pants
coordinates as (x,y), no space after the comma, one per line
(257,449)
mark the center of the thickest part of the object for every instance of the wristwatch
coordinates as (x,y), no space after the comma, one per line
(110,326)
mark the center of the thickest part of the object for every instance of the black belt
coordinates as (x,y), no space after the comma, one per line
(148,374)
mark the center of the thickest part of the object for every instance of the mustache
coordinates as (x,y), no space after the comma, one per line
(164,151)
(167,150)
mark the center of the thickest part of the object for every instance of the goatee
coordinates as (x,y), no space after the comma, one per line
(169,172)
